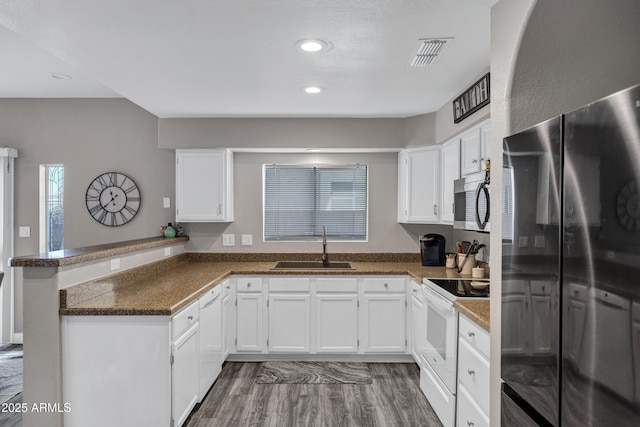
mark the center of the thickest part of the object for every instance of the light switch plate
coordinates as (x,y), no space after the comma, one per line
(523,241)
(247,239)
(166,202)
(228,239)
(25,231)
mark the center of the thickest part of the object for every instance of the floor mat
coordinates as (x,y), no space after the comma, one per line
(313,373)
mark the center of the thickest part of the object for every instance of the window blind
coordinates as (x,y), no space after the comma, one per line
(300,199)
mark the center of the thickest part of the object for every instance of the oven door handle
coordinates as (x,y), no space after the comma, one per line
(439,303)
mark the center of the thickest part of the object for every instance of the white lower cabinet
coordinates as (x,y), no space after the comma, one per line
(116,370)
(146,367)
(289,308)
(336,315)
(249,315)
(383,315)
(473,374)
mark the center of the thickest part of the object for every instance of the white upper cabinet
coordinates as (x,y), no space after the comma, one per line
(426,175)
(450,172)
(204,185)
(419,185)
(474,148)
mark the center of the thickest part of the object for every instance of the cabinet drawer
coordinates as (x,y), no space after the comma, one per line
(184,319)
(249,284)
(578,292)
(541,287)
(416,291)
(336,285)
(289,284)
(475,335)
(469,413)
(211,295)
(473,373)
(384,284)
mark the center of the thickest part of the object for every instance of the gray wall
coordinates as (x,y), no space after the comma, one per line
(444,126)
(385,234)
(281,133)
(573,53)
(88,136)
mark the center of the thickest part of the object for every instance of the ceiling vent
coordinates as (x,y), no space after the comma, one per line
(429,51)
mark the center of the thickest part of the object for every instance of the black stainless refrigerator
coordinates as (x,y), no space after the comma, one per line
(571,268)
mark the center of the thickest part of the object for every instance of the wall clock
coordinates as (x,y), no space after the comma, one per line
(113,199)
(628,206)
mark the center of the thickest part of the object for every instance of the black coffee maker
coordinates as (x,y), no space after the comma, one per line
(432,249)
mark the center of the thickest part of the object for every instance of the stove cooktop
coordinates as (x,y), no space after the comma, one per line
(461,288)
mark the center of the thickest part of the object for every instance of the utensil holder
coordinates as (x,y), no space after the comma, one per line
(467,268)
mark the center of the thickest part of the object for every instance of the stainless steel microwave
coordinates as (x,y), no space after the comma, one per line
(471,202)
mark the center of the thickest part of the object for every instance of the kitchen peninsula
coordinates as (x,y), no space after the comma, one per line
(156,277)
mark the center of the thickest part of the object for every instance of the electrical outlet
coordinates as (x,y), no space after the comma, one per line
(247,239)
(166,202)
(228,239)
(167,251)
(25,231)
(115,264)
(523,241)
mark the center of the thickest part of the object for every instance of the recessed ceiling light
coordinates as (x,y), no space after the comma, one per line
(314,150)
(313,89)
(312,45)
(60,76)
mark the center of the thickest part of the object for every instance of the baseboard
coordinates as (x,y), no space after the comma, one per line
(16,338)
(369,358)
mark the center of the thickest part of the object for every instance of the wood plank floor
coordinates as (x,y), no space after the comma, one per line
(394,399)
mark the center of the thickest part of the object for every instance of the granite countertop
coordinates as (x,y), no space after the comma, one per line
(164,287)
(90,253)
(476,310)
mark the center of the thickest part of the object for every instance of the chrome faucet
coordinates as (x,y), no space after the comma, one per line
(325,255)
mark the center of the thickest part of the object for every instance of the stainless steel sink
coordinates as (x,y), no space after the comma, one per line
(312,265)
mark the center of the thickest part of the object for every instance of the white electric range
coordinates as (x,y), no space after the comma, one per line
(439,351)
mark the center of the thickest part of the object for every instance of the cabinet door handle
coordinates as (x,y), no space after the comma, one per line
(471,372)
(474,161)
(220,209)
(386,285)
(190,318)
(435,209)
(249,285)
(471,334)
(415,291)
(469,423)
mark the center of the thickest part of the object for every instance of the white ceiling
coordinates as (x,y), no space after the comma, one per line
(237,58)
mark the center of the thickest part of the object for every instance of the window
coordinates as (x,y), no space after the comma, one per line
(51,207)
(299,200)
